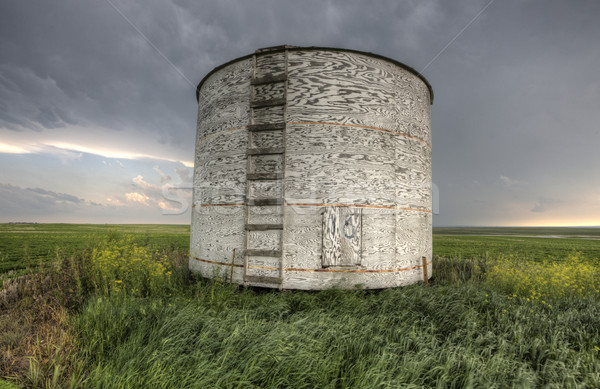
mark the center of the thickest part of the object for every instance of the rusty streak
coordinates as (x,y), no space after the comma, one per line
(358,206)
(319,270)
(367,127)
(262,267)
(217,263)
(355,270)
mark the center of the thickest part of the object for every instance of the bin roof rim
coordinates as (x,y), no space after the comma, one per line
(306,48)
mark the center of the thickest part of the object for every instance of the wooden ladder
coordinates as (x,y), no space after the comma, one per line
(263,265)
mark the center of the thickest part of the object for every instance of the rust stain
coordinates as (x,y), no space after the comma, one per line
(359,206)
(217,263)
(262,267)
(355,270)
(367,127)
(318,270)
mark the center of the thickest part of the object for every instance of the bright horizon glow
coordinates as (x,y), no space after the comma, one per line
(113,153)
(521,226)
(569,223)
(564,224)
(588,221)
(12,149)
(103,152)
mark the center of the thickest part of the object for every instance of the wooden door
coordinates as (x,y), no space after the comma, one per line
(342,236)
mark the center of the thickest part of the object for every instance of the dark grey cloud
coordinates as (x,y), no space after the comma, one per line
(143,204)
(516,94)
(69,62)
(15,200)
(515,100)
(53,196)
(73,62)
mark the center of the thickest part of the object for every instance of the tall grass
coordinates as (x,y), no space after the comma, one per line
(37,340)
(444,335)
(133,316)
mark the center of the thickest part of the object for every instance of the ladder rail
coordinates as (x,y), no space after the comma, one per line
(283,164)
(248,168)
(253,151)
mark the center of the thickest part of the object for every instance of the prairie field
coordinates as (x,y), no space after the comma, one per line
(23,246)
(115,306)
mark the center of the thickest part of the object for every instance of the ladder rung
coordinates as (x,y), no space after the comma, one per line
(263,253)
(268,79)
(265,202)
(266,151)
(267,103)
(264,227)
(264,176)
(266,127)
(263,279)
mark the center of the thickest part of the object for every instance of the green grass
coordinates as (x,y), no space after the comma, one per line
(444,336)
(527,243)
(525,248)
(464,330)
(533,231)
(24,246)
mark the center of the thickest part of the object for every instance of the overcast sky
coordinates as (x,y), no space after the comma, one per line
(98,109)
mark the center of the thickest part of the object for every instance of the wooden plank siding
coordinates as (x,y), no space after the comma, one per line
(348,153)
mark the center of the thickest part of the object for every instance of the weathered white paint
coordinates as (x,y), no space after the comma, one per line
(356,146)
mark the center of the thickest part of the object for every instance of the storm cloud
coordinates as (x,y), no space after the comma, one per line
(514,122)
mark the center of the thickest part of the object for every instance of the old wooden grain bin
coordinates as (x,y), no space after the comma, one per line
(314,165)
